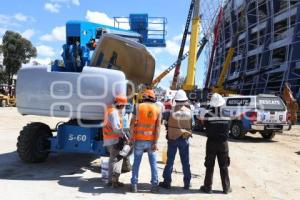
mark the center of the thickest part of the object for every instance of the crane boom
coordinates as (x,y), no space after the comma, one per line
(201,46)
(216,39)
(225,68)
(189,83)
(185,33)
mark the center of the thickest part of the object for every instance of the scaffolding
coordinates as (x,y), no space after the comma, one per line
(268,34)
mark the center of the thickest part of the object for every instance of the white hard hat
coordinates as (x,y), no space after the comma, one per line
(180,96)
(216,100)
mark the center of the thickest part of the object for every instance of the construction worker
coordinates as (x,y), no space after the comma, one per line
(145,126)
(179,130)
(168,107)
(113,132)
(217,131)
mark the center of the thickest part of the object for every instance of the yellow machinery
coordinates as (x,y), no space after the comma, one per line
(201,46)
(219,87)
(6,100)
(181,50)
(189,83)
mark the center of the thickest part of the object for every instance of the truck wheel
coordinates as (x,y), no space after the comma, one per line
(33,145)
(268,134)
(237,130)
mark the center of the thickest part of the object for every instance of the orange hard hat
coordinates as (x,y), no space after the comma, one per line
(121,100)
(149,94)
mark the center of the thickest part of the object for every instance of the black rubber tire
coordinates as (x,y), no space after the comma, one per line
(268,134)
(33,145)
(237,130)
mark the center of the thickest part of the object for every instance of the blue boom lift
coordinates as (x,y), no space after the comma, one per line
(36,140)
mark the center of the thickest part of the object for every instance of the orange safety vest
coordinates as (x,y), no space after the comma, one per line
(108,133)
(145,125)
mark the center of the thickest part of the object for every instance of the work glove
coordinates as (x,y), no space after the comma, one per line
(187,135)
(154,147)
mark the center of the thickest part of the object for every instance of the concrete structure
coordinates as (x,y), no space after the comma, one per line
(265,34)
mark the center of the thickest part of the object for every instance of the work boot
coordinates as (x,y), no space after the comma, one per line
(165,185)
(227,191)
(187,186)
(155,189)
(133,188)
(205,189)
(115,183)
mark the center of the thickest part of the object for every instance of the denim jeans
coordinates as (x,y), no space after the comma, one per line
(139,148)
(183,146)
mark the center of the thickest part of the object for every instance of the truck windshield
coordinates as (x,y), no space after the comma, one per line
(270,103)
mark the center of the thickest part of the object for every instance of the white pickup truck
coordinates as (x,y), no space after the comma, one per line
(266,114)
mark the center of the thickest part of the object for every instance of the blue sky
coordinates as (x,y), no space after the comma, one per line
(43,22)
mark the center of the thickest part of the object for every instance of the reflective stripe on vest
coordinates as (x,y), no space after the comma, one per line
(108,133)
(146,118)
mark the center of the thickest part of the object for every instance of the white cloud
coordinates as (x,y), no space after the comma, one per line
(39,61)
(6,20)
(52,7)
(45,51)
(43,61)
(103,18)
(2,31)
(28,33)
(99,17)
(173,46)
(76,2)
(58,33)
(55,5)
(20,17)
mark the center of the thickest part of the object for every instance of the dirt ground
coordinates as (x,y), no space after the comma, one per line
(260,169)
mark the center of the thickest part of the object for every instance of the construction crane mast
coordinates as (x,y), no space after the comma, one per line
(169,69)
(189,83)
(185,33)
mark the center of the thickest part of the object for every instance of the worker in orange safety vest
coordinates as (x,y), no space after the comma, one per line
(145,128)
(113,132)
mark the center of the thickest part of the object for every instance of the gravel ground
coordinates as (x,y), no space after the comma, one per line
(260,169)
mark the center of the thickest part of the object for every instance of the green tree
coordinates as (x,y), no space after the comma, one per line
(16,50)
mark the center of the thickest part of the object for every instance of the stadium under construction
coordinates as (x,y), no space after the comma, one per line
(265,35)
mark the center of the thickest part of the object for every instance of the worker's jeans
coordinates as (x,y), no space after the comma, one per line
(221,151)
(139,148)
(183,146)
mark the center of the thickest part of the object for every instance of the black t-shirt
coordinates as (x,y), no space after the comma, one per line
(217,126)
